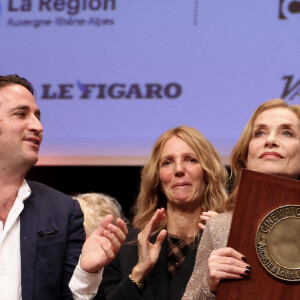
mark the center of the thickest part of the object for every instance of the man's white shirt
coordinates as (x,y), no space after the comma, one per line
(10,255)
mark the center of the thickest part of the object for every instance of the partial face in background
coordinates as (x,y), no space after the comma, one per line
(181,175)
(275,144)
(21,131)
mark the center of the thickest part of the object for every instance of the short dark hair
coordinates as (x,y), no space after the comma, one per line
(16,79)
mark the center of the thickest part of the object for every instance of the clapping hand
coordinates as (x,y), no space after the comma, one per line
(147,252)
(102,246)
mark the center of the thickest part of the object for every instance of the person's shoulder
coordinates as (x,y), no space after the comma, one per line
(132,235)
(217,229)
(43,191)
(131,240)
(220,219)
(129,249)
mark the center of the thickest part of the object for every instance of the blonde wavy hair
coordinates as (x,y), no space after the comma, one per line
(239,153)
(95,207)
(151,197)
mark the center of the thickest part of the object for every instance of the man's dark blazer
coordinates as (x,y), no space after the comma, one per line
(52,235)
(117,285)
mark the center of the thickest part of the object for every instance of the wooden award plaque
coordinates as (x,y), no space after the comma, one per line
(266,229)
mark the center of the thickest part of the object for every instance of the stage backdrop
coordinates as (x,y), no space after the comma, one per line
(112,75)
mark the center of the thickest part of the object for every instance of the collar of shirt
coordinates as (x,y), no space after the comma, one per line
(23,193)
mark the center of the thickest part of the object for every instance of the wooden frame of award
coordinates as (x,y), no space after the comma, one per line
(266,229)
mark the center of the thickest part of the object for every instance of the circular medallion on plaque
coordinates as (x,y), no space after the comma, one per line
(278,242)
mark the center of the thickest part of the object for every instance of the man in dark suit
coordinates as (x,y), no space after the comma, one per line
(41,229)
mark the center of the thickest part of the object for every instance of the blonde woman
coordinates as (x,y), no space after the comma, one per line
(183,179)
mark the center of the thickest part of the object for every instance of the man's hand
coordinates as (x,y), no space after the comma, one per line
(102,246)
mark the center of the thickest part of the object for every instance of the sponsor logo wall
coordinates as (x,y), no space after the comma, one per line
(112,75)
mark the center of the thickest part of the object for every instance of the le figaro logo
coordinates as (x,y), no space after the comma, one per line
(113,91)
(289,9)
(39,13)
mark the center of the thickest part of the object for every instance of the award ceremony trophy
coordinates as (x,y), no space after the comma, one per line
(266,229)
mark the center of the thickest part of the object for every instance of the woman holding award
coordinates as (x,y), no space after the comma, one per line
(270,143)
